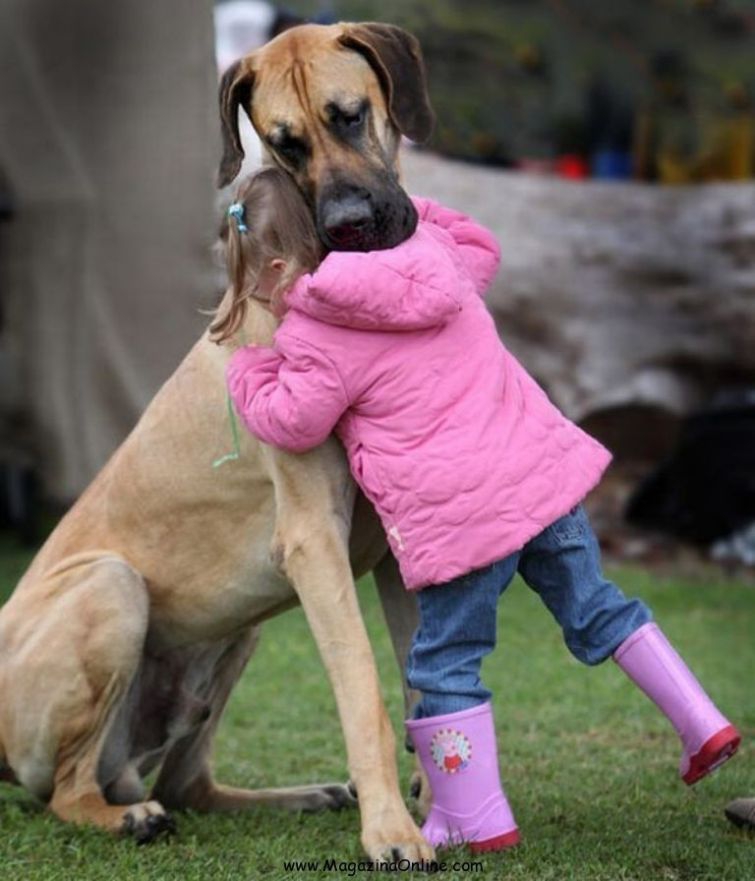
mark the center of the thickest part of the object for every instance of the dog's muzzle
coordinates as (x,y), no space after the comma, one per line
(355,218)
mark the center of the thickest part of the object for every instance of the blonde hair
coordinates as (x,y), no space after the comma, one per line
(279,225)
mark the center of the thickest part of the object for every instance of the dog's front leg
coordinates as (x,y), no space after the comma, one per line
(311,544)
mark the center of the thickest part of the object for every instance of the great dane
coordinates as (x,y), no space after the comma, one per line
(123,640)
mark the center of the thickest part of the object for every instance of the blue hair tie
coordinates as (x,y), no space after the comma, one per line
(237,211)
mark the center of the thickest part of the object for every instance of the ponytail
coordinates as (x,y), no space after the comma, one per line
(269,220)
(232,311)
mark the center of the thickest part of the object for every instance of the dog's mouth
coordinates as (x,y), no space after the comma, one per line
(355,218)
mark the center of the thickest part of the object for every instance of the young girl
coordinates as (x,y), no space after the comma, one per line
(474,472)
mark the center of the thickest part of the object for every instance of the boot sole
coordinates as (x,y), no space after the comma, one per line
(500,842)
(715,751)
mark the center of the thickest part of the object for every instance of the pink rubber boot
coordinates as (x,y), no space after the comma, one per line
(458,752)
(708,738)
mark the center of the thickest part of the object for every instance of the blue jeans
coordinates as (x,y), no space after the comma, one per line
(458,619)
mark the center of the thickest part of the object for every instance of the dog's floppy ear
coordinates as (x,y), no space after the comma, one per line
(396,57)
(235,89)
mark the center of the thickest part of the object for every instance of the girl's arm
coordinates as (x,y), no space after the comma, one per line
(478,246)
(401,288)
(290,400)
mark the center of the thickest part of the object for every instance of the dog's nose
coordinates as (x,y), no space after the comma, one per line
(347,218)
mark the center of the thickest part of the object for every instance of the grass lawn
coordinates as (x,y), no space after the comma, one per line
(589,764)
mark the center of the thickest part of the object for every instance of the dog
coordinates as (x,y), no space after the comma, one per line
(123,640)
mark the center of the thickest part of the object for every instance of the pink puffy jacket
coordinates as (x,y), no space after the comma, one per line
(460,451)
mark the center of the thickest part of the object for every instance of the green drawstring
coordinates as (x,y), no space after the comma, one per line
(236,454)
(230,457)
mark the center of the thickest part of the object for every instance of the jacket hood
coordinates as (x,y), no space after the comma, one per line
(417,285)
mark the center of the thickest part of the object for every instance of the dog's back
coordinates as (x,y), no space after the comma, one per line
(161,505)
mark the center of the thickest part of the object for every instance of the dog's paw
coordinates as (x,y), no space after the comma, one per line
(329,797)
(415,785)
(417,851)
(146,822)
(395,837)
(341,796)
(419,790)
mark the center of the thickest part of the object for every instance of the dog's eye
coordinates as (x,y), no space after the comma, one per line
(347,120)
(353,119)
(292,149)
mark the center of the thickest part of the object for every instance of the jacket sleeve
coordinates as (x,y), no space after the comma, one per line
(343,275)
(478,246)
(400,288)
(290,396)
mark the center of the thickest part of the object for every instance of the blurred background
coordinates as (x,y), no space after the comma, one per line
(610,146)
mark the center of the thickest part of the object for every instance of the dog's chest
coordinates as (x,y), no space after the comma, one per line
(221,603)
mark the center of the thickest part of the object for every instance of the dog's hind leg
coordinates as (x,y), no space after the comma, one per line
(185,779)
(402,618)
(73,669)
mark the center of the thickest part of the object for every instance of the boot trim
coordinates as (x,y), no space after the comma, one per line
(638,634)
(448,718)
(714,752)
(500,842)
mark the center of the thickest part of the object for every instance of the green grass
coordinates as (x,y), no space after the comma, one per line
(589,764)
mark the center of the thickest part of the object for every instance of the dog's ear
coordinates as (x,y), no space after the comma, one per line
(235,90)
(396,57)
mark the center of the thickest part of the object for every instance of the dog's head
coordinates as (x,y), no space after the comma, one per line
(330,104)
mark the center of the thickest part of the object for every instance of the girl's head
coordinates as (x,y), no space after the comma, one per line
(279,244)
